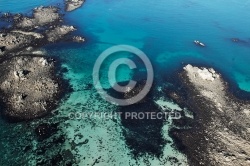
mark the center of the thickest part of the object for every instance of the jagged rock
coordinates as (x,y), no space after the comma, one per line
(205,74)
(219,134)
(59,32)
(15,40)
(73,4)
(78,39)
(42,16)
(21,38)
(20,75)
(28,89)
(43,62)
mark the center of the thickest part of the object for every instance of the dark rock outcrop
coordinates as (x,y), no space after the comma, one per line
(219,133)
(29,87)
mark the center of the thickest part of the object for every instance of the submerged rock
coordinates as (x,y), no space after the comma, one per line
(78,39)
(142,133)
(44,131)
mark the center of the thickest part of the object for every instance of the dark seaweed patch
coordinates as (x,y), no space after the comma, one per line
(142,135)
(44,131)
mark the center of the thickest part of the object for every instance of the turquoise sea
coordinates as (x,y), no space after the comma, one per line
(164,30)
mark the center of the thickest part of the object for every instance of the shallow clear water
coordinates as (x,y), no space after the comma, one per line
(164,30)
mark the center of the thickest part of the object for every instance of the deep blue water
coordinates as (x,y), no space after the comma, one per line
(25,5)
(163,29)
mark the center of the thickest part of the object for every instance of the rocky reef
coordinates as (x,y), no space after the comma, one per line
(43,27)
(15,40)
(59,32)
(29,84)
(73,4)
(41,16)
(28,87)
(219,134)
(31,88)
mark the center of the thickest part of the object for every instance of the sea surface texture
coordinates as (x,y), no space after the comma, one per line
(164,30)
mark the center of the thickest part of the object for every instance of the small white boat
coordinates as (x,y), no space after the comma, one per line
(199,43)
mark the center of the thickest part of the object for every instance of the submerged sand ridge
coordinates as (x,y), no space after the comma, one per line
(220,134)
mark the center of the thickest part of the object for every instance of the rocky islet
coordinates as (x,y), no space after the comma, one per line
(29,88)
(30,85)
(219,133)
(73,4)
